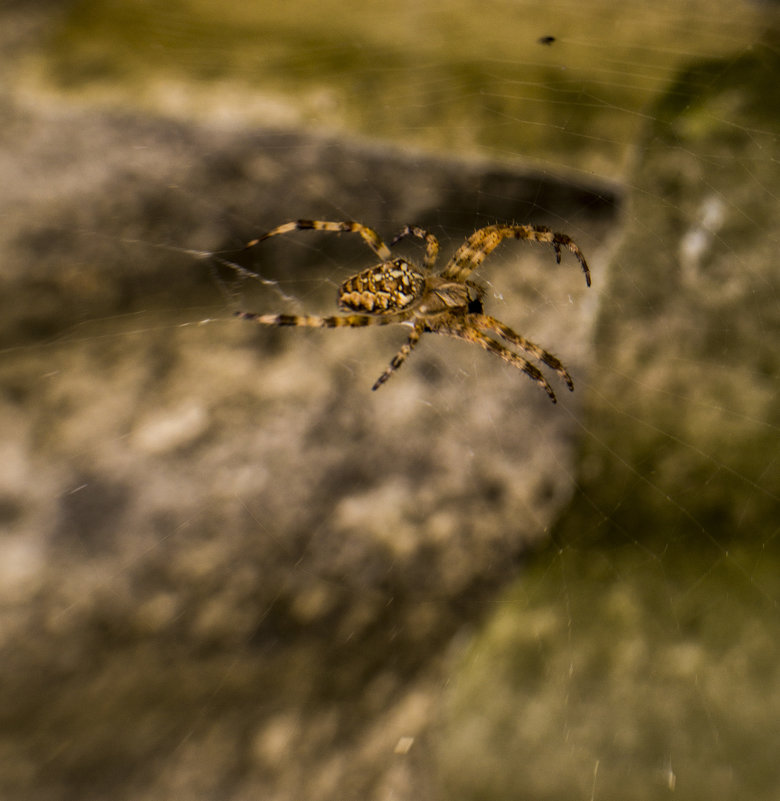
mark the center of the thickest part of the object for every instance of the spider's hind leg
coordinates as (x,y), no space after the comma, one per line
(400,357)
(307,320)
(369,235)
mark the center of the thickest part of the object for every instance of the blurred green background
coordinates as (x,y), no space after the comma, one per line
(465,77)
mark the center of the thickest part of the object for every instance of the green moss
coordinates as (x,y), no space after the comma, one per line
(420,75)
(638,653)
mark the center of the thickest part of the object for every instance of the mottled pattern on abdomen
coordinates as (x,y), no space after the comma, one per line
(389,287)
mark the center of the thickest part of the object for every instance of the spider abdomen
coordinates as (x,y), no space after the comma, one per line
(388,287)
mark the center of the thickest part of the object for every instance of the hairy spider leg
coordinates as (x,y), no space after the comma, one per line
(483,242)
(400,357)
(505,332)
(312,321)
(347,321)
(369,235)
(431,243)
(453,328)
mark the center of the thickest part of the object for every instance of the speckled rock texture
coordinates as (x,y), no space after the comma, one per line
(228,568)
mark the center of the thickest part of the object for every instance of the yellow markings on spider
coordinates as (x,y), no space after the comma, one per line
(397,291)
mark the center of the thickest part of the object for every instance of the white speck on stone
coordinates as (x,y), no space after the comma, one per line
(170,429)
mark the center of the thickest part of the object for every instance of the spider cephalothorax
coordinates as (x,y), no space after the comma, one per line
(397,291)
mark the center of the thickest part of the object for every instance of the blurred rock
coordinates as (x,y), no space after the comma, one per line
(644,659)
(229,569)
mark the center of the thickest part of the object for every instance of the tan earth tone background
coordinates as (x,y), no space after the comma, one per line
(230,571)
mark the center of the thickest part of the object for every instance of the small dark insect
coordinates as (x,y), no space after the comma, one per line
(546,40)
(445,302)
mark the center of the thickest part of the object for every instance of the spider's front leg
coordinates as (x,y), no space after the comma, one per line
(505,332)
(468,332)
(483,242)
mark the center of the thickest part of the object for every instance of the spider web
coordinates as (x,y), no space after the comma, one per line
(230,569)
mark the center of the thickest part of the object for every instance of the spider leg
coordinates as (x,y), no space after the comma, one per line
(311,321)
(400,357)
(484,241)
(505,332)
(370,237)
(431,243)
(453,329)
(348,321)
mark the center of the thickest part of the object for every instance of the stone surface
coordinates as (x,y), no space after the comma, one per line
(640,658)
(228,567)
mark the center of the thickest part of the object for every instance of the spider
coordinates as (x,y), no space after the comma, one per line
(446,302)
